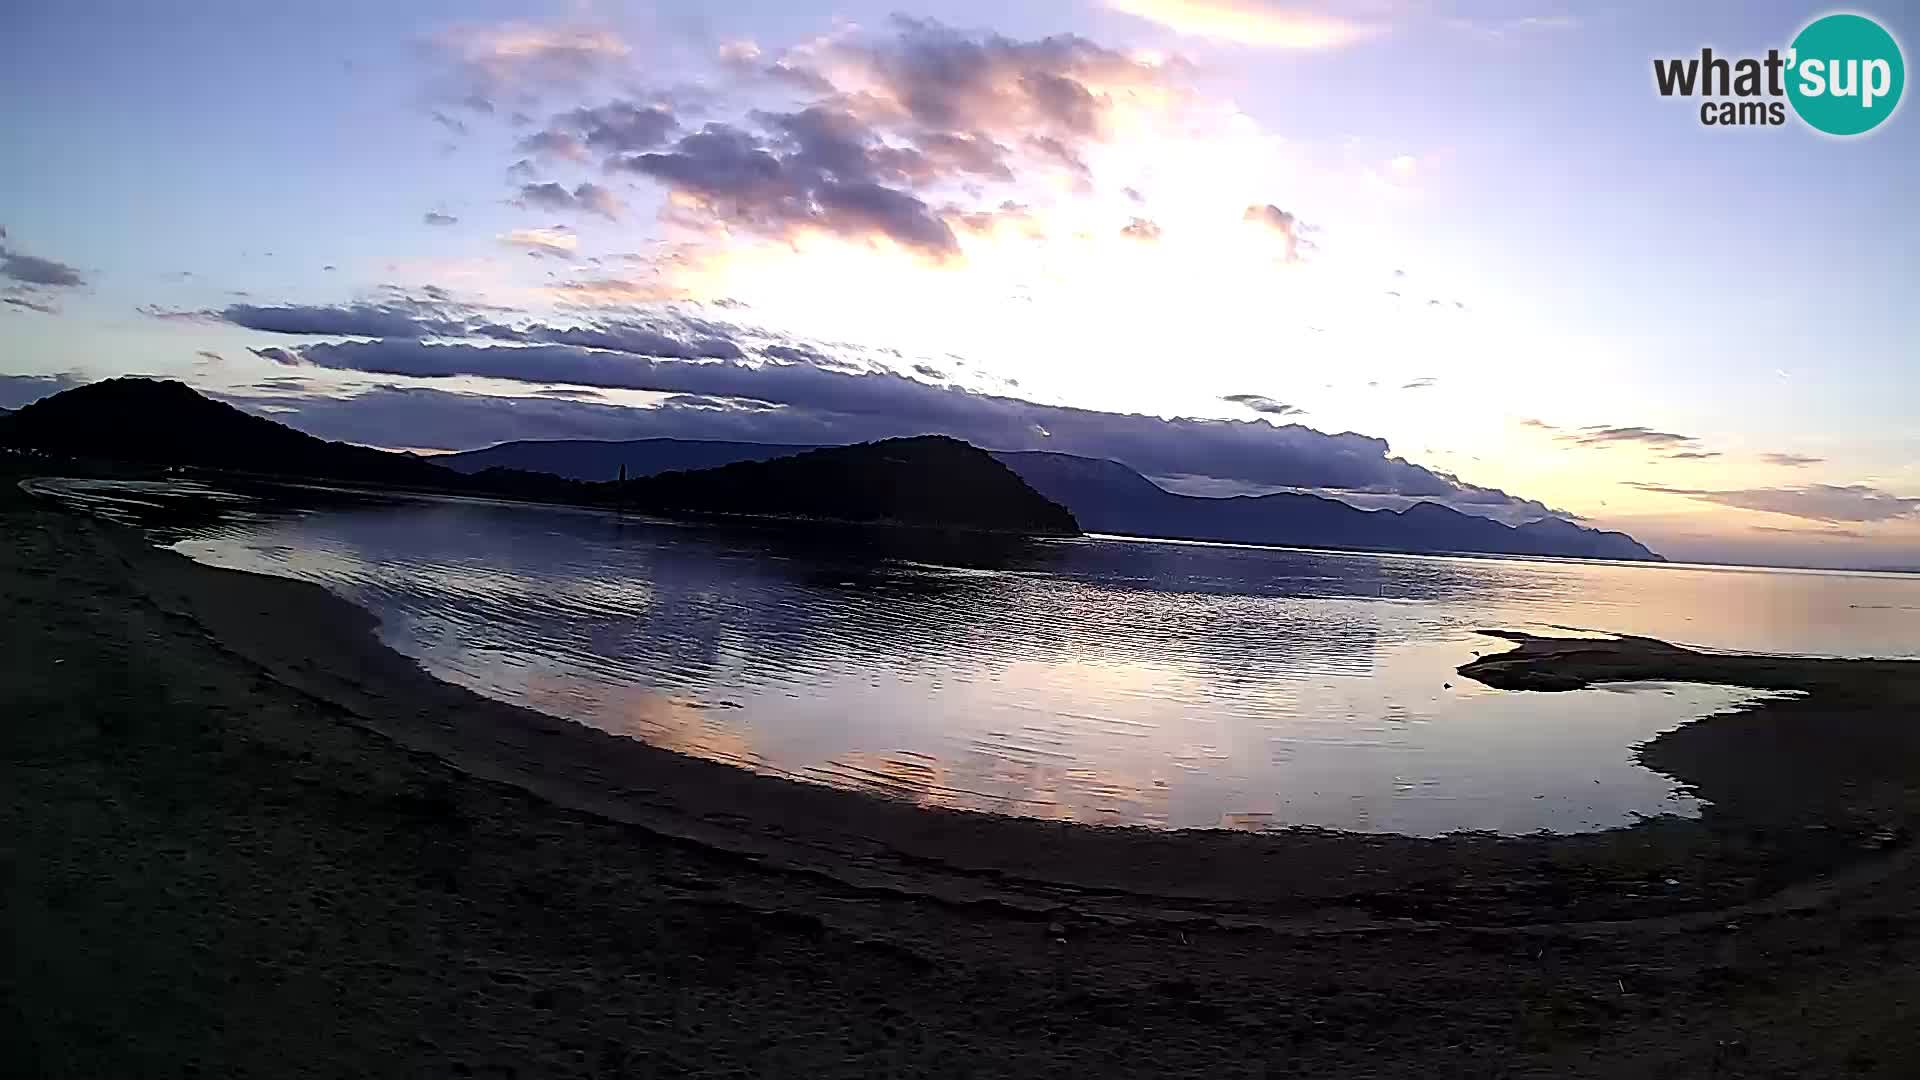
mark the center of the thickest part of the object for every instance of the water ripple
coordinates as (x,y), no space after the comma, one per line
(1097,679)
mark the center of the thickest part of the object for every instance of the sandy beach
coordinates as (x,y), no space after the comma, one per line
(243,838)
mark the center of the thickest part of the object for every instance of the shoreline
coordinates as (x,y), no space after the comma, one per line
(1058,909)
(339,658)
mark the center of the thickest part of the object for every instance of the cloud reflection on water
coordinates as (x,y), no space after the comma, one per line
(1093,680)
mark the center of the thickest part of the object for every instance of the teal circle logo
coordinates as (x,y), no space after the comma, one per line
(1846,74)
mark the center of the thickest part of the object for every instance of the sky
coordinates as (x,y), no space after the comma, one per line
(1385,250)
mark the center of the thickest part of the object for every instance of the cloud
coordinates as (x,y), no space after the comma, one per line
(1141,229)
(1813,502)
(616,127)
(1598,436)
(1603,436)
(953,154)
(934,78)
(824,173)
(1831,532)
(1422,383)
(34,280)
(1280,24)
(1062,155)
(558,240)
(444,420)
(799,354)
(1262,404)
(916,106)
(551,144)
(1790,461)
(489,60)
(28,303)
(18,390)
(818,404)
(587,197)
(34,270)
(1280,222)
(402,324)
(1671,445)
(349,320)
(435,217)
(457,126)
(284,384)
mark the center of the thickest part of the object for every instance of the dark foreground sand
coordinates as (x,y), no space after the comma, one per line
(239,838)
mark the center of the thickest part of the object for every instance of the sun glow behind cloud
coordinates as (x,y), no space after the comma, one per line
(1119,261)
(1052,286)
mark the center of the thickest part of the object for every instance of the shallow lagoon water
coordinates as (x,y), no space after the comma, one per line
(1102,679)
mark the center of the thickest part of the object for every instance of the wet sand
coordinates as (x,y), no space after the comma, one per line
(243,838)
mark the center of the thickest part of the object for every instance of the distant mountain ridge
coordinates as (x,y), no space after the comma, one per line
(595,460)
(930,481)
(165,422)
(1109,497)
(923,480)
(1106,496)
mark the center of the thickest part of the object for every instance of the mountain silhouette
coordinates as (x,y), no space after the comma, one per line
(1106,496)
(162,422)
(925,480)
(929,481)
(1109,497)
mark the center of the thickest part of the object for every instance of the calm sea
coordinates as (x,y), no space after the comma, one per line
(1102,679)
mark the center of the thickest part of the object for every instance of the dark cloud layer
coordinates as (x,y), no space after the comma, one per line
(917,106)
(34,280)
(401,324)
(618,126)
(794,402)
(821,170)
(33,270)
(350,320)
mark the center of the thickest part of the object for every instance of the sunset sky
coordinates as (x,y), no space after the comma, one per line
(1387,250)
